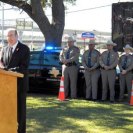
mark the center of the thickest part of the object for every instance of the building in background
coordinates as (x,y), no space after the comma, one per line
(30,34)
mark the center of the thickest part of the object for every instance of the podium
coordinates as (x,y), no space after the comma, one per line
(8,101)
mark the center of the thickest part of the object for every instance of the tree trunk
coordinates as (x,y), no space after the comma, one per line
(52,32)
(58,13)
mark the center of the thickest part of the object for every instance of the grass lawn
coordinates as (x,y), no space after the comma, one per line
(45,114)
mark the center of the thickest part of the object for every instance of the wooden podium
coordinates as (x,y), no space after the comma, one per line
(8,101)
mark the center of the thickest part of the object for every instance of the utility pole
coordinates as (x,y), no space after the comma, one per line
(99,37)
(2,24)
(32,35)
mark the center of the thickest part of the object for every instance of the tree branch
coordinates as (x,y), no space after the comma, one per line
(32,10)
(58,13)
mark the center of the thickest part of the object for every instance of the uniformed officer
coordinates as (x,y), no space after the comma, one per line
(126,67)
(90,61)
(69,56)
(108,62)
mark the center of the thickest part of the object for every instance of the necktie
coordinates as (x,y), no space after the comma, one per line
(10,53)
(108,59)
(68,54)
(89,59)
(125,62)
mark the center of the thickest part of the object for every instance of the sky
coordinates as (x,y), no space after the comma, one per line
(98,19)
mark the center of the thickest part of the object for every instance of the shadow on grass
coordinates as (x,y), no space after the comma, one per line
(46,114)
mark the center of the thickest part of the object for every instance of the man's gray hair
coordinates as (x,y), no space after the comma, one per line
(11,29)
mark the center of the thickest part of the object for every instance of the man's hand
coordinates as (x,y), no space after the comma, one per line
(88,69)
(106,67)
(64,61)
(91,69)
(123,72)
(1,65)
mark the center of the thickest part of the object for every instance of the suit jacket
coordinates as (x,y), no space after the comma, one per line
(19,62)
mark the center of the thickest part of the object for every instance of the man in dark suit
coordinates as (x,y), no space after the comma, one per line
(15,56)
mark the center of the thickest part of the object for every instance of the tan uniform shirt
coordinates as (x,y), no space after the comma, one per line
(70,69)
(113,59)
(129,64)
(94,58)
(73,56)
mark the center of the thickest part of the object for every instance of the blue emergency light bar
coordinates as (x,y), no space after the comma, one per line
(52,49)
(49,48)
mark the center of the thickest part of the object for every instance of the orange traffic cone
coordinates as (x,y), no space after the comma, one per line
(131,100)
(61,95)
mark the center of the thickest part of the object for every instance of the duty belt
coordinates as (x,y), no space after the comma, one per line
(95,68)
(71,64)
(109,69)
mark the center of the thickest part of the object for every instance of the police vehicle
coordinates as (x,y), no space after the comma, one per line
(44,69)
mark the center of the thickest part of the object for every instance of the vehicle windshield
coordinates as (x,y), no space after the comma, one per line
(44,58)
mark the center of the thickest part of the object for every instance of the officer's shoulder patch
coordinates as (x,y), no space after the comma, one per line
(85,52)
(130,55)
(97,51)
(104,52)
(123,55)
(76,47)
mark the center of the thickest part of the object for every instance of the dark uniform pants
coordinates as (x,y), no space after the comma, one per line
(21,106)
